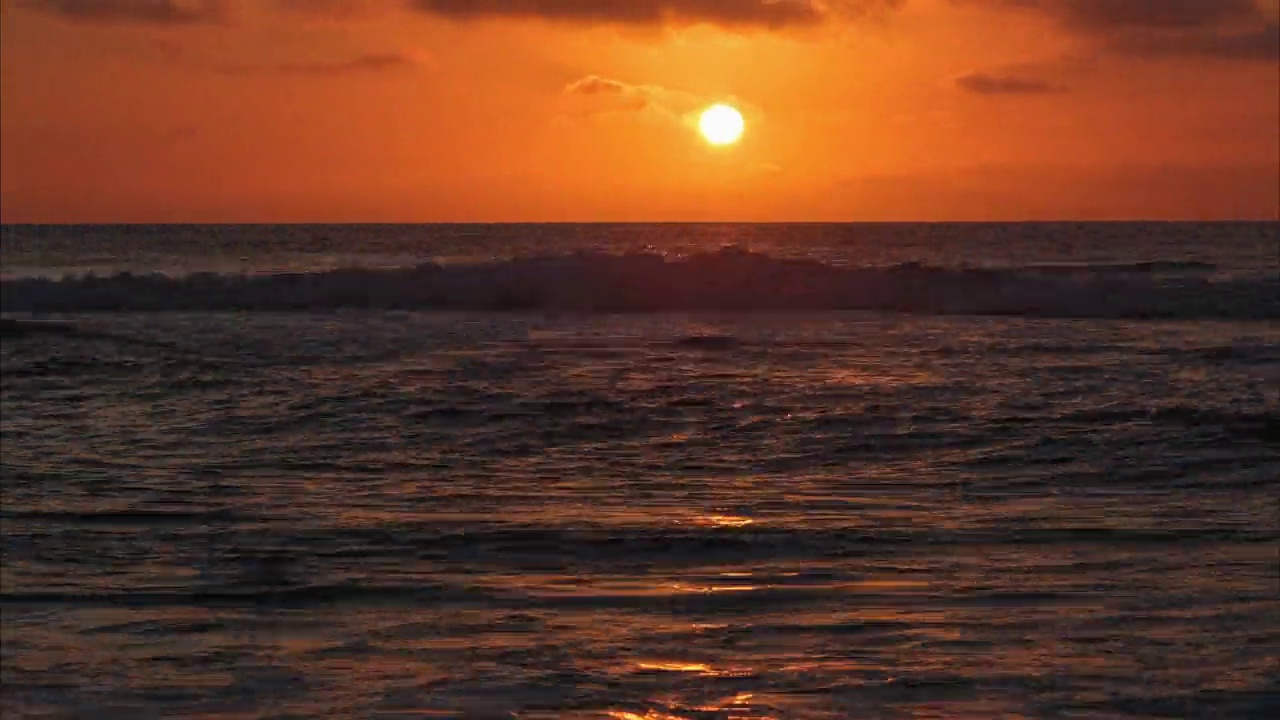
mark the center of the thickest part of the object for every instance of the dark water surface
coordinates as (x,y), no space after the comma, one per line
(370,512)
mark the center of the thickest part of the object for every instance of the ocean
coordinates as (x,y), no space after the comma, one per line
(641,472)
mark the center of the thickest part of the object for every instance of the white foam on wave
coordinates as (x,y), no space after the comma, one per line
(730,279)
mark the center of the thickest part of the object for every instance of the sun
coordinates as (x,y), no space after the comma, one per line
(721,124)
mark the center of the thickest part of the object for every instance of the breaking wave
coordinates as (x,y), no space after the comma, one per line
(729,279)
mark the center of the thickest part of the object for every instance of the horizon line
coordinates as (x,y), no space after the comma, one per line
(260,223)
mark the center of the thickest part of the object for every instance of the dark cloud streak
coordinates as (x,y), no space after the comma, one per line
(637,12)
(1236,30)
(770,14)
(1105,15)
(1223,29)
(368,63)
(1257,45)
(982,83)
(146,12)
(334,10)
(741,14)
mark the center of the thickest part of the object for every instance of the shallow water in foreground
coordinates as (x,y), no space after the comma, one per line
(671,517)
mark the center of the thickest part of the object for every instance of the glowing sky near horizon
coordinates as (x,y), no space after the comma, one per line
(461,110)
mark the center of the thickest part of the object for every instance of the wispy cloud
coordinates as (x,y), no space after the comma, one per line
(1224,29)
(150,12)
(983,83)
(767,14)
(367,63)
(334,10)
(618,96)
(1107,15)
(771,15)
(1262,44)
(1240,30)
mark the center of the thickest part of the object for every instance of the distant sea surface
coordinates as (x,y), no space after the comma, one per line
(641,472)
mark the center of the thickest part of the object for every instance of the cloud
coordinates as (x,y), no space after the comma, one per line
(1107,15)
(333,10)
(983,83)
(628,97)
(601,96)
(770,14)
(740,14)
(1261,45)
(1225,29)
(368,63)
(1015,191)
(596,85)
(152,12)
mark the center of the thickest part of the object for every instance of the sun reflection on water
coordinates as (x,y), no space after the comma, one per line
(693,668)
(700,668)
(723,520)
(737,706)
(650,715)
(683,588)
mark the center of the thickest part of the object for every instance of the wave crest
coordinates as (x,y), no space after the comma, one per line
(729,279)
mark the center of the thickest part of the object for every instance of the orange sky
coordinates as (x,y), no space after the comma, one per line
(530,110)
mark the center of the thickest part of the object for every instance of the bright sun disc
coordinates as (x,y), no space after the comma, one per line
(721,124)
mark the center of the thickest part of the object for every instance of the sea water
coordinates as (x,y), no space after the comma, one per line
(661,472)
